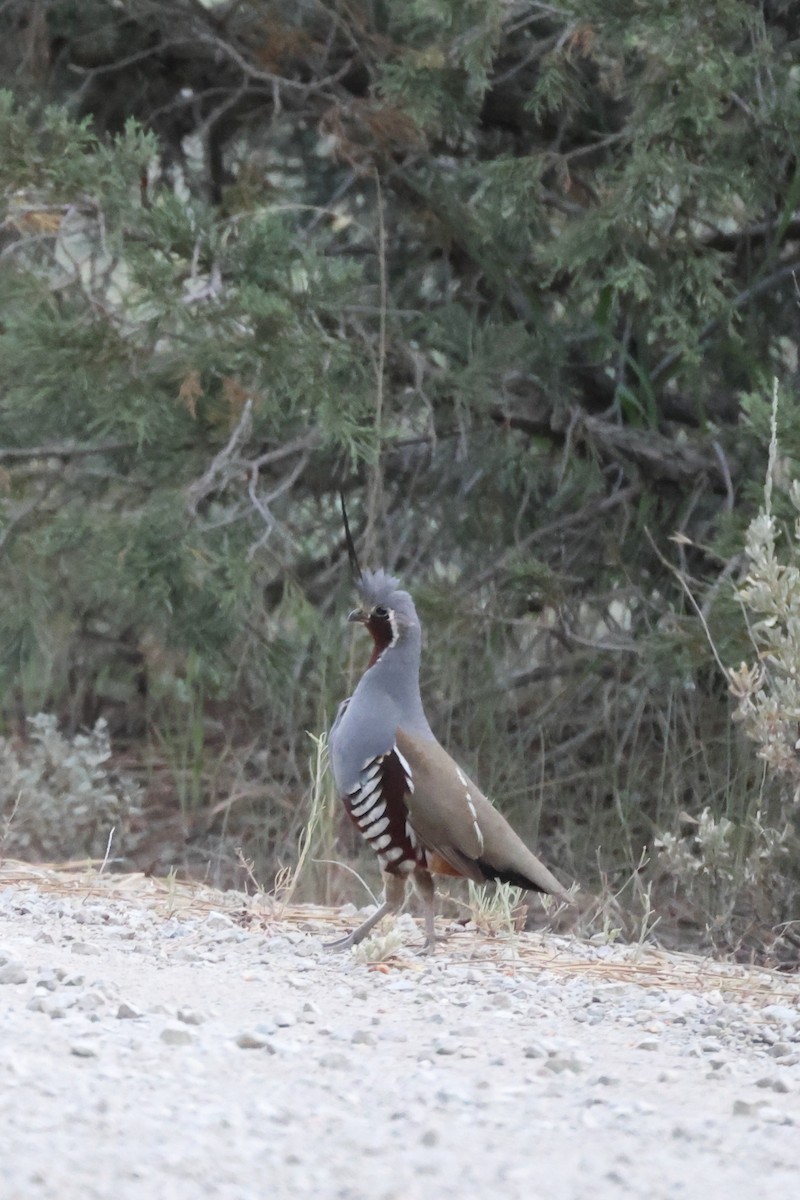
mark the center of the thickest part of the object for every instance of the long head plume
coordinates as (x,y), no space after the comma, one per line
(355,567)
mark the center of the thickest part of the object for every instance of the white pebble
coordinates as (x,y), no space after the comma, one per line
(177,1035)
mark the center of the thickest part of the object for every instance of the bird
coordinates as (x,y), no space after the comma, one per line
(413,804)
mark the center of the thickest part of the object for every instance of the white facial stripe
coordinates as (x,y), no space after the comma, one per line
(462,777)
(394,629)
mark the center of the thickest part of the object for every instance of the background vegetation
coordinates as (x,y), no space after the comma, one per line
(517,277)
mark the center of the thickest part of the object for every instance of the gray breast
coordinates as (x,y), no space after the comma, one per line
(365,727)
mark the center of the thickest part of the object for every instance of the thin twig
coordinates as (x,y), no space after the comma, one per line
(104,863)
(588,512)
(261,504)
(62,450)
(749,293)
(221,464)
(306,442)
(682,581)
(773,449)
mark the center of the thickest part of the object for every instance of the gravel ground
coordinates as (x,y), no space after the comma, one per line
(156,1044)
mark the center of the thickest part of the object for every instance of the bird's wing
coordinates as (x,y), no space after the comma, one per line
(451,816)
(377,804)
(341,710)
(441,808)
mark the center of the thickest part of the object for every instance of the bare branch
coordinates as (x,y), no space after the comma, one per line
(63,450)
(261,504)
(224,464)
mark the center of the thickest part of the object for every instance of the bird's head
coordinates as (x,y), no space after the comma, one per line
(386,610)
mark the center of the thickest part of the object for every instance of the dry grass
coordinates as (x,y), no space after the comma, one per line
(644,965)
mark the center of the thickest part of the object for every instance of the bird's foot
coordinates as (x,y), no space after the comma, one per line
(342,943)
(430,944)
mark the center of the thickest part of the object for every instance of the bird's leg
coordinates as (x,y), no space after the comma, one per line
(423,882)
(394,895)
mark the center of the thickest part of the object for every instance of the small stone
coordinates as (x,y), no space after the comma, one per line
(88,1002)
(364,1037)
(128,1012)
(294,938)
(284,1020)
(445,1047)
(83,1049)
(558,1064)
(429,1138)
(684,1004)
(86,948)
(782,1013)
(251,1039)
(50,1005)
(334,1060)
(779,1050)
(775,1083)
(650,1043)
(535,1050)
(188,954)
(48,980)
(190,1016)
(13,971)
(176,1035)
(608,991)
(218,922)
(774,1116)
(747,1108)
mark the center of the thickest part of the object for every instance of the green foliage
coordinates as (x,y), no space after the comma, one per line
(512,275)
(58,797)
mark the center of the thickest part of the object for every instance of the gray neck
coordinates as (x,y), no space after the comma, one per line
(396,676)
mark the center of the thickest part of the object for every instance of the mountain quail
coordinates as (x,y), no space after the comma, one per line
(412,803)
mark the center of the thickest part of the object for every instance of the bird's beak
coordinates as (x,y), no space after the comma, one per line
(357,616)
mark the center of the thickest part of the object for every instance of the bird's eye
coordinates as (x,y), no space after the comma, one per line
(380,612)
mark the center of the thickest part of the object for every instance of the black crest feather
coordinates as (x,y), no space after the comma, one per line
(355,568)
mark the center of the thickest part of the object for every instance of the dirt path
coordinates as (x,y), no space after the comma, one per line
(144,1054)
